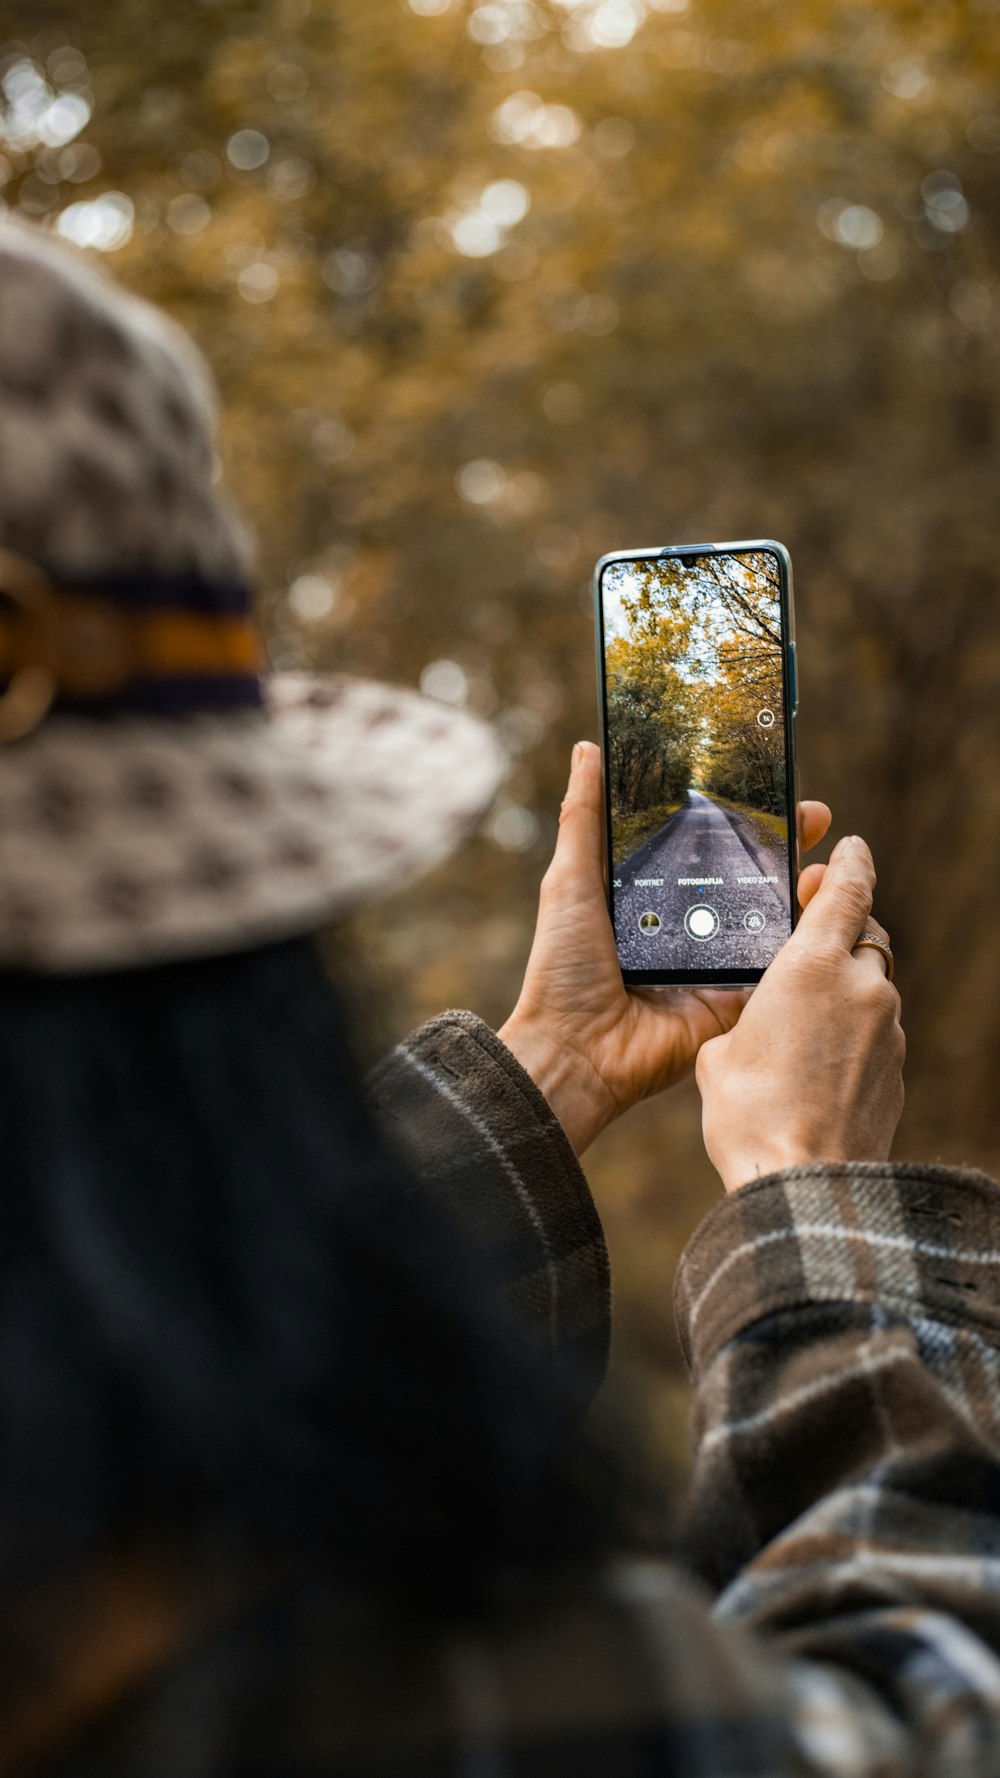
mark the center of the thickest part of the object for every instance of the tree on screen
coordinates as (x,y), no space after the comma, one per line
(653,717)
(743,761)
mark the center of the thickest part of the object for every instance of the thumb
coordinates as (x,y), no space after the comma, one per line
(842,901)
(580,844)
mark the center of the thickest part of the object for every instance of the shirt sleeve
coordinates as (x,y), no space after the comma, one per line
(476,1131)
(842,1325)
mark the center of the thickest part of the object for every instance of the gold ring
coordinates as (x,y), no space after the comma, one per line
(877,944)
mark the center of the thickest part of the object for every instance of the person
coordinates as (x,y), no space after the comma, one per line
(294,1478)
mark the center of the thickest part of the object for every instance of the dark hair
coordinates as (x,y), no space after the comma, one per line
(228,1315)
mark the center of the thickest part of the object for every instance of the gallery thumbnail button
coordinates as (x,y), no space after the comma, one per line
(701,922)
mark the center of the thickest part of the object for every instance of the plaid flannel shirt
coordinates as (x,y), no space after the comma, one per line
(840,1617)
(842,1328)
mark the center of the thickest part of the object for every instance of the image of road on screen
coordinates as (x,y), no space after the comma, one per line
(696,761)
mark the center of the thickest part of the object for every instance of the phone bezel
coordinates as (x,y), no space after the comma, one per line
(708,978)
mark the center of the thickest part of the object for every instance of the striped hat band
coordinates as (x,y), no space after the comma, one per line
(158,644)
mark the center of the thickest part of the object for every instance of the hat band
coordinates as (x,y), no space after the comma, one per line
(167,645)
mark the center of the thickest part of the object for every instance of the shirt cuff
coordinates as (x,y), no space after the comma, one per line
(918,1240)
(477,1131)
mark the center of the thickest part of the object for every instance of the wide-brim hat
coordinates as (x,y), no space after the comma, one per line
(161,794)
(144,839)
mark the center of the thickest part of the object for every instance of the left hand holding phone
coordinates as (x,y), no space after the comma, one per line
(592,1046)
(814,1071)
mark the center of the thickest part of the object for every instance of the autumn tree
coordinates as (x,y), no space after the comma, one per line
(742,760)
(652,714)
(746,589)
(739,602)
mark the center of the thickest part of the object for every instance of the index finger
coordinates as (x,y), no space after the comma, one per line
(813,824)
(580,846)
(841,904)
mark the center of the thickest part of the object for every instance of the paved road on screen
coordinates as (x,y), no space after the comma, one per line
(703,840)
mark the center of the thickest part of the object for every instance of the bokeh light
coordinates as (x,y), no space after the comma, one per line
(312,597)
(526,119)
(32,112)
(104,223)
(248,150)
(444,680)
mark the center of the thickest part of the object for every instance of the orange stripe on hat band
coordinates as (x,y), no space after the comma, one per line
(143,642)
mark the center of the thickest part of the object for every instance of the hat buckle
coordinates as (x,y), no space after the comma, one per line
(33,683)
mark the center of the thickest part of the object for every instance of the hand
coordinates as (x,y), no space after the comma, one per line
(593,1047)
(814,1069)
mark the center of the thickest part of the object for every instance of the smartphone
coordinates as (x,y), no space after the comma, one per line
(696,673)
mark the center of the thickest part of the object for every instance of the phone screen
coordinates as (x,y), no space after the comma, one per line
(695,655)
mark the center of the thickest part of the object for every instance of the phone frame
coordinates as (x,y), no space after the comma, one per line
(708,978)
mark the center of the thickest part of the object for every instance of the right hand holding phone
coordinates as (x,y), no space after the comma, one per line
(813,1071)
(592,1046)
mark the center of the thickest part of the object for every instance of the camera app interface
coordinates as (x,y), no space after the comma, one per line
(696,760)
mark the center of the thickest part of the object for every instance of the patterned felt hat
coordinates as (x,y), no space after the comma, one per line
(160,794)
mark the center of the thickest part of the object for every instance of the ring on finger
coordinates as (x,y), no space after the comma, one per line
(878,943)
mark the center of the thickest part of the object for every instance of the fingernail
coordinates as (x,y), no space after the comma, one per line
(577,756)
(844,845)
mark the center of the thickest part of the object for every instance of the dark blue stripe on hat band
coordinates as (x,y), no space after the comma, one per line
(147,591)
(201,694)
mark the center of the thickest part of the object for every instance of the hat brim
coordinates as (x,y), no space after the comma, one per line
(139,840)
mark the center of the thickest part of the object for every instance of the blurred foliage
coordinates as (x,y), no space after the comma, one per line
(491,288)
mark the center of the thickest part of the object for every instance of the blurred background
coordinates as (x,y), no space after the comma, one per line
(493,286)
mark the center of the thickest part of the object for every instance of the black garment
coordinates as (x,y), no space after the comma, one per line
(843,1326)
